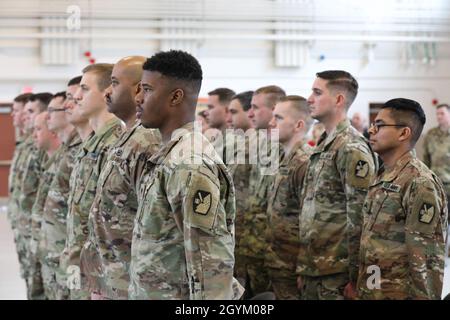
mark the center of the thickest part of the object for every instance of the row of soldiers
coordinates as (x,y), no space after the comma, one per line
(116,194)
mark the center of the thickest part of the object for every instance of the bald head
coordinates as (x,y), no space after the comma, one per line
(130,67)
(125,78)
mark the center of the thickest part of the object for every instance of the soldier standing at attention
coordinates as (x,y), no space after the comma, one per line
(16,172)
(437,147)
(91,159)
(405,213)
(105,257)
(55,207)
(252,242)
(291,117)
(335,186)
(47,141)
(32,170)
(183,237)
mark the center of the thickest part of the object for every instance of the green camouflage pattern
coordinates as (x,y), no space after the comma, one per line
(83,185)
(183,239)
(35,282)
(335,186)
(105,257)
(436,155)
(404,233)
(54,228)
(29,186)
(282,234)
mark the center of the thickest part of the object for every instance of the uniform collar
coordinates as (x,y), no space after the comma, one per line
(177,135)
(326,140)
(111,125)
(74,139)
(391,174)
(288,157)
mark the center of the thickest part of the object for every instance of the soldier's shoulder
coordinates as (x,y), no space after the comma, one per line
(421,173)
(433,132)
(142,141)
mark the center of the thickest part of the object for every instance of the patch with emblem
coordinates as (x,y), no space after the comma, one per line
(202,202)
(426,213)
(362,169)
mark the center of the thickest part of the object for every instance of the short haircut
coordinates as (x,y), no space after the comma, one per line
(300,105)
(74,81)
(409,113)
(43,98)
(341,80)
(178,65)
(245,99)
(60,94)
(225,95)
(103,72)
(443,105)
(274,94)
(23,98)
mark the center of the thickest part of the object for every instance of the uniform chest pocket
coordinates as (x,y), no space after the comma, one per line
(81,185)
(114,172)
(389,217)
(324,164)
(279,192)
(145,198)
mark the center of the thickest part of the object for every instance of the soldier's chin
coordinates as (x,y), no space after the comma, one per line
(146,124)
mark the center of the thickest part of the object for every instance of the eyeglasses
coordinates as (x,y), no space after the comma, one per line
(55,109)
(377,126)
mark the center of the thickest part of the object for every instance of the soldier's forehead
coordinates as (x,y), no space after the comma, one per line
(384,114)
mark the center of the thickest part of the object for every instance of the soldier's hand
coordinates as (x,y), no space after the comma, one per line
(350,291)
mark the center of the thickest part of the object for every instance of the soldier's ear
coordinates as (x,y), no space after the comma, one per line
(340,100)
(300,125)
(177,97)
(405,134)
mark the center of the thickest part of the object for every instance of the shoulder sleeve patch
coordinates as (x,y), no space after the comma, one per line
(202,201)
(425,211)
(360,169)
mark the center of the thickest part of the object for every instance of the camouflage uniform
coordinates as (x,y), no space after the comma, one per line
(35,277)
(54,221)
(252,243)
(183,238)
(240,172)
(437,155)
(283,231)
(404,233)
(335,185)
(83,185)
(106,255)
(26,147)
(29,187)
(14,178)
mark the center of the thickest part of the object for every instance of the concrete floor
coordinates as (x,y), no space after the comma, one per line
(12,287)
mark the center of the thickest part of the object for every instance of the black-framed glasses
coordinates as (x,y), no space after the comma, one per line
(49,110)
(377,126)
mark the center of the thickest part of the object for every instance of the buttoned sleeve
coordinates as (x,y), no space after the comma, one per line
(208,241)
(426,228)
(357,167)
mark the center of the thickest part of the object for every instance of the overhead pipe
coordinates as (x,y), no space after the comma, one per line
(196,36)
